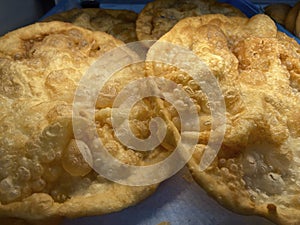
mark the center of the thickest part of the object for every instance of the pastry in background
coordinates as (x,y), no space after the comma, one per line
(290,20)
(159,16)
(286,15)
(119,23)
(278,11)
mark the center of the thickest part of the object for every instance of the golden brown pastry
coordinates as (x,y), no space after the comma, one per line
(159,16)
(119,23)
(256,170)
(42,173)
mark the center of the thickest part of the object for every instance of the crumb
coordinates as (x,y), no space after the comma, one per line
(164,223)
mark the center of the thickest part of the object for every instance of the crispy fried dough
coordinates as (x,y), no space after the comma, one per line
(42,174)
(257,168)
(159,16)
(119,23)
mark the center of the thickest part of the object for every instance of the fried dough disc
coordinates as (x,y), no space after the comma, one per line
(159,16)
(119,23)
(257,168)
(42,173)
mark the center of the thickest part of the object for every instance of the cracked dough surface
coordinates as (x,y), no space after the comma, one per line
(257,168)
(42,173)
(159,16)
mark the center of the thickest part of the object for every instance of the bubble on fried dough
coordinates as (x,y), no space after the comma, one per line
(9,191)
(73,161)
